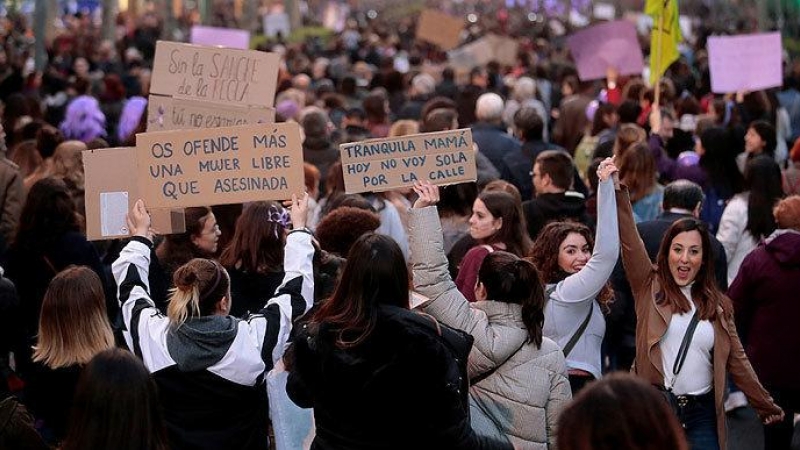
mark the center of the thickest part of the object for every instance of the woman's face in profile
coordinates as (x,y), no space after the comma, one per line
(482,224)
(209,236)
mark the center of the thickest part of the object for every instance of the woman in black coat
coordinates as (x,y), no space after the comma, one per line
(377,374)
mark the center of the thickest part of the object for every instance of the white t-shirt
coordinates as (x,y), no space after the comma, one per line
(697,375)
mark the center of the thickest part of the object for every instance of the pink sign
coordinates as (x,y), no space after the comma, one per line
(745,63)
(611,44)
(224,37)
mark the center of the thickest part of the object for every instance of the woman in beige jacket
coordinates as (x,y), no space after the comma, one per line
(518,377)
(667,297)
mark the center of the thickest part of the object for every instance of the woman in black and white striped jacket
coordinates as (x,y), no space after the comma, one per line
(210,366)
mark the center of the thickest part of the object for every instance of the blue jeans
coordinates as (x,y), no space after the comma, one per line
(699,421)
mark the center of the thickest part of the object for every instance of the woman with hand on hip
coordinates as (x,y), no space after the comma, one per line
(518,377)
(686,340)
(575,271)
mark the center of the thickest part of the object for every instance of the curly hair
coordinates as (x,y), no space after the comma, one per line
(342,227)
(545,255)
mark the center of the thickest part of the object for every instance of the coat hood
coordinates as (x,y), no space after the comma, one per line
(784,246)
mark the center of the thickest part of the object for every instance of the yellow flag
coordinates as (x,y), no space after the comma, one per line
(665,37)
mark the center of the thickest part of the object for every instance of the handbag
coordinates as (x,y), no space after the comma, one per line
(666,391)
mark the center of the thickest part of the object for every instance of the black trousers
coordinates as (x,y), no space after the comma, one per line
(778,436)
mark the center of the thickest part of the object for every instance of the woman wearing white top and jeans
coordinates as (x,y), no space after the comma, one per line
(577,284)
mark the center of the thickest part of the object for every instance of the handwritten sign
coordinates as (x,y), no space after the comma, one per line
(612,44)
(440,29)
(225,37)
(213,74)
(745,63)
(220,165)
(166,113)
(446,157)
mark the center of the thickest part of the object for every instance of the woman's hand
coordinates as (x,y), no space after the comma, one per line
(428,194)
(773,418)
(607,168)
(299,211)
(139,221)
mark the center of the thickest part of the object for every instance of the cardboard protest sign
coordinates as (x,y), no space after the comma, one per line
(219,166)
(111,189)
(440,29)
(474,54)
(613,44)
(745,63)
(275,23)
(445,157)
(166,113)
(213,74)
(225,37)
(504,49)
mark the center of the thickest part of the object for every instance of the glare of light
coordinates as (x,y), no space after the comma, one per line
(372,14)
(532,17)
(472,18)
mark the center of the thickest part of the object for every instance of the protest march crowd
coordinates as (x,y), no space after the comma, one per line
(621,273)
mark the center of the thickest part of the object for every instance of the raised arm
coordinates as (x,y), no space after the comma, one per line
(144,325)
(638,266)
(272,325)
(586,283)
(447,304)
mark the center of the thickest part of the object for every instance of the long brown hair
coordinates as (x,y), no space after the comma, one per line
(619,412)
(705,293)
(546,249)
(513,233)
(257,244)
(375,274)
(637,170)
(627,135)
(178,249)
(73,325)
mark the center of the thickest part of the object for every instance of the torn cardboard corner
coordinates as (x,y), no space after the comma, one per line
(440,29)
(445,157)
(111,189)
(167,113)
(213,74)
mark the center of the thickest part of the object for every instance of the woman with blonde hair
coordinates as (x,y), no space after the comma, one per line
(73,328)
(199,354)
(68,165)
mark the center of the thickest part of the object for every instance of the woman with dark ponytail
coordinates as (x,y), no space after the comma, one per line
(209,366)
(518,377)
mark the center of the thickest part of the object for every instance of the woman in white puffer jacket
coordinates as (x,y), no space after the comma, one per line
(518,377)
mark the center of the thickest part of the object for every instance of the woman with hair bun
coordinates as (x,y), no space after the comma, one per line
(199,354)
(510,354)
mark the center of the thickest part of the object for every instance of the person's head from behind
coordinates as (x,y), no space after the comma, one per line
(202,288)
(528,124)
(510,279)
(761,137)
(48,138)
(503,186)
(497,218)
(637,170)
(552,172)
(683,196)
(343,226)
(787,213)
(375,274)
(627,135)
(73,325)
(439,119)
(489,108)
(116,406)
(619,412)
(403,128)
(48,214)
(68,162)
(257,244)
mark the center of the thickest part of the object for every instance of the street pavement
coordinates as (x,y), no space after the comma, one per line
(745,432)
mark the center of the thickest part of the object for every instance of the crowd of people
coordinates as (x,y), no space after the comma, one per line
(613,227)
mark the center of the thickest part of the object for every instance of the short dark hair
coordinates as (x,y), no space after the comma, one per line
(529,123)
(558,165)
(682,194)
